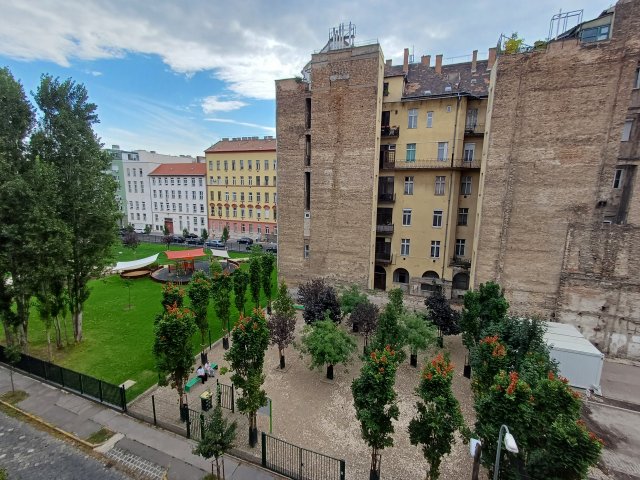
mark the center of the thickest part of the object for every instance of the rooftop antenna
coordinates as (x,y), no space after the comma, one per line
(342,36)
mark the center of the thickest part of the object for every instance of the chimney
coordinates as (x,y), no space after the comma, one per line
(474,59)
(439,63)
(492,58)
(405,63)
(388,63)
(426,60)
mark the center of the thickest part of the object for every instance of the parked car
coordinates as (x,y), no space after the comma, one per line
(177,239)
(215,244)
(272,249)
(194,241)
(191,235)
(245,241)
(250,247)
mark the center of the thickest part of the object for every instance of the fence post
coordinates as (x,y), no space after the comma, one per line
(264,449)
(342,469)
(188,424)
(201,425)
(300,460)
(81,386)
(209,338)
(123,398)
(62,377)
(153,405)
(46,376)
(100,390)
(233,399)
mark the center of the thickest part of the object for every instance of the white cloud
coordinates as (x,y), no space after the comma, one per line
(244,124)
(94,73)
(215,104)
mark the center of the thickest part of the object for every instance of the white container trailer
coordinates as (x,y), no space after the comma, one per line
(578,360)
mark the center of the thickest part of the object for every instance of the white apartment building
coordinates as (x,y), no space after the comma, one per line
(178,195)
(136,167)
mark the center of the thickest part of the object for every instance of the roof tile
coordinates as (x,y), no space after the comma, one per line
(246,145)
(180,169)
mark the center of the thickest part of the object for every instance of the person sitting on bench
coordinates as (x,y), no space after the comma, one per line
(202,374)
(210,371)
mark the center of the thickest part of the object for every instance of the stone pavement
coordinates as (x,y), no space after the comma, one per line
(621,380)
(148,448)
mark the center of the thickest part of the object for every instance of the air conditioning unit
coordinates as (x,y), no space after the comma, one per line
(307,214)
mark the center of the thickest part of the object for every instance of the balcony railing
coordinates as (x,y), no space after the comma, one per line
(433,164)
(474,129)
(383,257)
(458,261)
(390,131)
(386,229)
(387,197)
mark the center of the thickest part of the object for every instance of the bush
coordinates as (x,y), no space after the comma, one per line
(318,297)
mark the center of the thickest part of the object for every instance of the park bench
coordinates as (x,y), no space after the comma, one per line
(191,383)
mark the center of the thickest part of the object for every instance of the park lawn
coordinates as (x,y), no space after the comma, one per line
(118,341)
(120,253)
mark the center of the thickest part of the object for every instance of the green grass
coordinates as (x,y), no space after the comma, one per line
(117,340)
(14,397)
(120,253)
(100,436)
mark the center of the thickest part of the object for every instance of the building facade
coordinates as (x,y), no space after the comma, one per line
(380,168)
(117,171)
(242,187)
(560,206)
(178,198)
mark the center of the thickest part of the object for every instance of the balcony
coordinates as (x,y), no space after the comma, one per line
(384,229)
(390,131)
(383,257)
(428,164)
(387,159)
(386,197)
(473,129)
(466,164)
(462,262)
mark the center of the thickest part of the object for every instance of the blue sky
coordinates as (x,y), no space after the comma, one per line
(176,76)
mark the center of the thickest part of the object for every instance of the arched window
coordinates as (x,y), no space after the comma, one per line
(400,275)
(461,281)
(429,286)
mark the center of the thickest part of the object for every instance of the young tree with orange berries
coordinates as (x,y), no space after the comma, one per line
(438,417)
(375,401)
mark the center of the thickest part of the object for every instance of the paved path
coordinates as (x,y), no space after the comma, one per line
(151,449)
(29,453)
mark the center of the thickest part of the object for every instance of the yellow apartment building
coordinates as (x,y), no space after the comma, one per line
(241,187)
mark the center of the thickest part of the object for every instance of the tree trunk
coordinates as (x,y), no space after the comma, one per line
(8,333)
(77,324)
(253,430)
(330,372)
(374,470)
(58,331)
(50,354)
(282,362)
(13,388)
(225,342)
(414,360)
(217,468)
(66,334)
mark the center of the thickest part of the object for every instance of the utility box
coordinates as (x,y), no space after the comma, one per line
(205,400)
(578,360)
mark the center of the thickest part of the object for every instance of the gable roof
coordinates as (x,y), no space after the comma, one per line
(251,144)
(181,169)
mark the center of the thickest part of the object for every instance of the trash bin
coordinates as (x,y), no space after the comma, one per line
(206,400)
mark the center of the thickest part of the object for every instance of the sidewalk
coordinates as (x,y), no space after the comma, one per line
(142,448)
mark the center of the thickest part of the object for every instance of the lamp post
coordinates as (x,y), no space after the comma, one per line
(510,445)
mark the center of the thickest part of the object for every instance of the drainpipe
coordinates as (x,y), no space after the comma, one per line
(453,154)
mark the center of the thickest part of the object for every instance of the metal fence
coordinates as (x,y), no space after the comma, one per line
(226,396)
(103,392)
(299,463)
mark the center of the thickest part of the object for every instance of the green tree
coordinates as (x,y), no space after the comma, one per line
(185,232)
(375,401)
(482,307)
(267,265)
(513,44)
(172,348)
(172,295)
(12,354)
(350,298)
(282,323)
(365,314)
(225,234)
(419,335)
(221,292)
(254,280)
(441,314)
(204,235)
(215,269)
(199,291)
(250,338)
(438,414)
(218,438)
(318,298)
(326,344)
(131,241)
(390,331)
(147,229)
(65,140)
(240,284)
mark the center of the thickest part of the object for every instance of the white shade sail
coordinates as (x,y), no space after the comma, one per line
(135,264)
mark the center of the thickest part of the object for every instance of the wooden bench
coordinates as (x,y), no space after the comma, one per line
(191,383)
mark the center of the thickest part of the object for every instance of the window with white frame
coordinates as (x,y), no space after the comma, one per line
(306,249)
(266,164)
(637,84)
(251,196)
(429,119)
(250,181)
(617,178)
(465,185)
(440,182)
(460,247)
(411,152)
(413,118)
(443,148)
(129,185)
(437,218)
(463,216)
(141,186)
(128,172)
(626,130)
(241,164)
(469,152)
(435,249)
(266,197)
(178,180)
(201,196)
(408,185)
(406,217)
(234,196)
(405,245)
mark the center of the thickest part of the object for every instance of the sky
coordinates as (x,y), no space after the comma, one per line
(176,76)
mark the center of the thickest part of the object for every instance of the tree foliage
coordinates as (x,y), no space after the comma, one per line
(198,292)
(419,335)
(254,279)
(240,284)
(482,307)
(204,235)
(374,399)
(365,315)
(225,234)
(513,44)
(221,292)
(131,240)
(318,297)
(282,323)
(172,295)
(326,344)
(267,265)
(350,298)
(250,340)
(218,437)
(172,348)
(446,319)
(438,414)
(390,331)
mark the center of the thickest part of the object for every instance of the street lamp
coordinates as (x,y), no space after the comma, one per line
(510,445)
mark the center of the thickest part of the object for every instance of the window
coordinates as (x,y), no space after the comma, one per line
(385,89)
(274,181)
(465,185)
(266,180)
(235,212)
(266,197)
(435,249)
(437,218)
(128,172)
(469,151)
(178,181)
(226,180)
(251,196)
(241,164)
(626,130)
(266,214)
(144,205)
(242,181)
(180,207)
(249,164)
(155,205)
(130,204)
(307,190)
(405,245)
(257,181)
(406,217)
(306,250)
(193,195)
(129,185)
(257,165)
(179,194)
(172,181)
(440,179)
(153,179)
(408,185)
(226,165)
(137,216)
(617,178)
(275,164)
(134,172)
(233,164)
(166,181)
(173,193)
(141,187)
(234,196)
(413,118)
(637,85)
(411,152)
(226,212)
(217,164)
(201,196)
(443,148)
(463,216)
(193,181)
(173,207)
(220,211)
(242,196)
(210,164)
(226,196)
(460,244)
(595,34)
(250,181)
(200,181)
(429,119)
(266,164)
(202,208)
(251,213)
(258,197)
(400,275)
